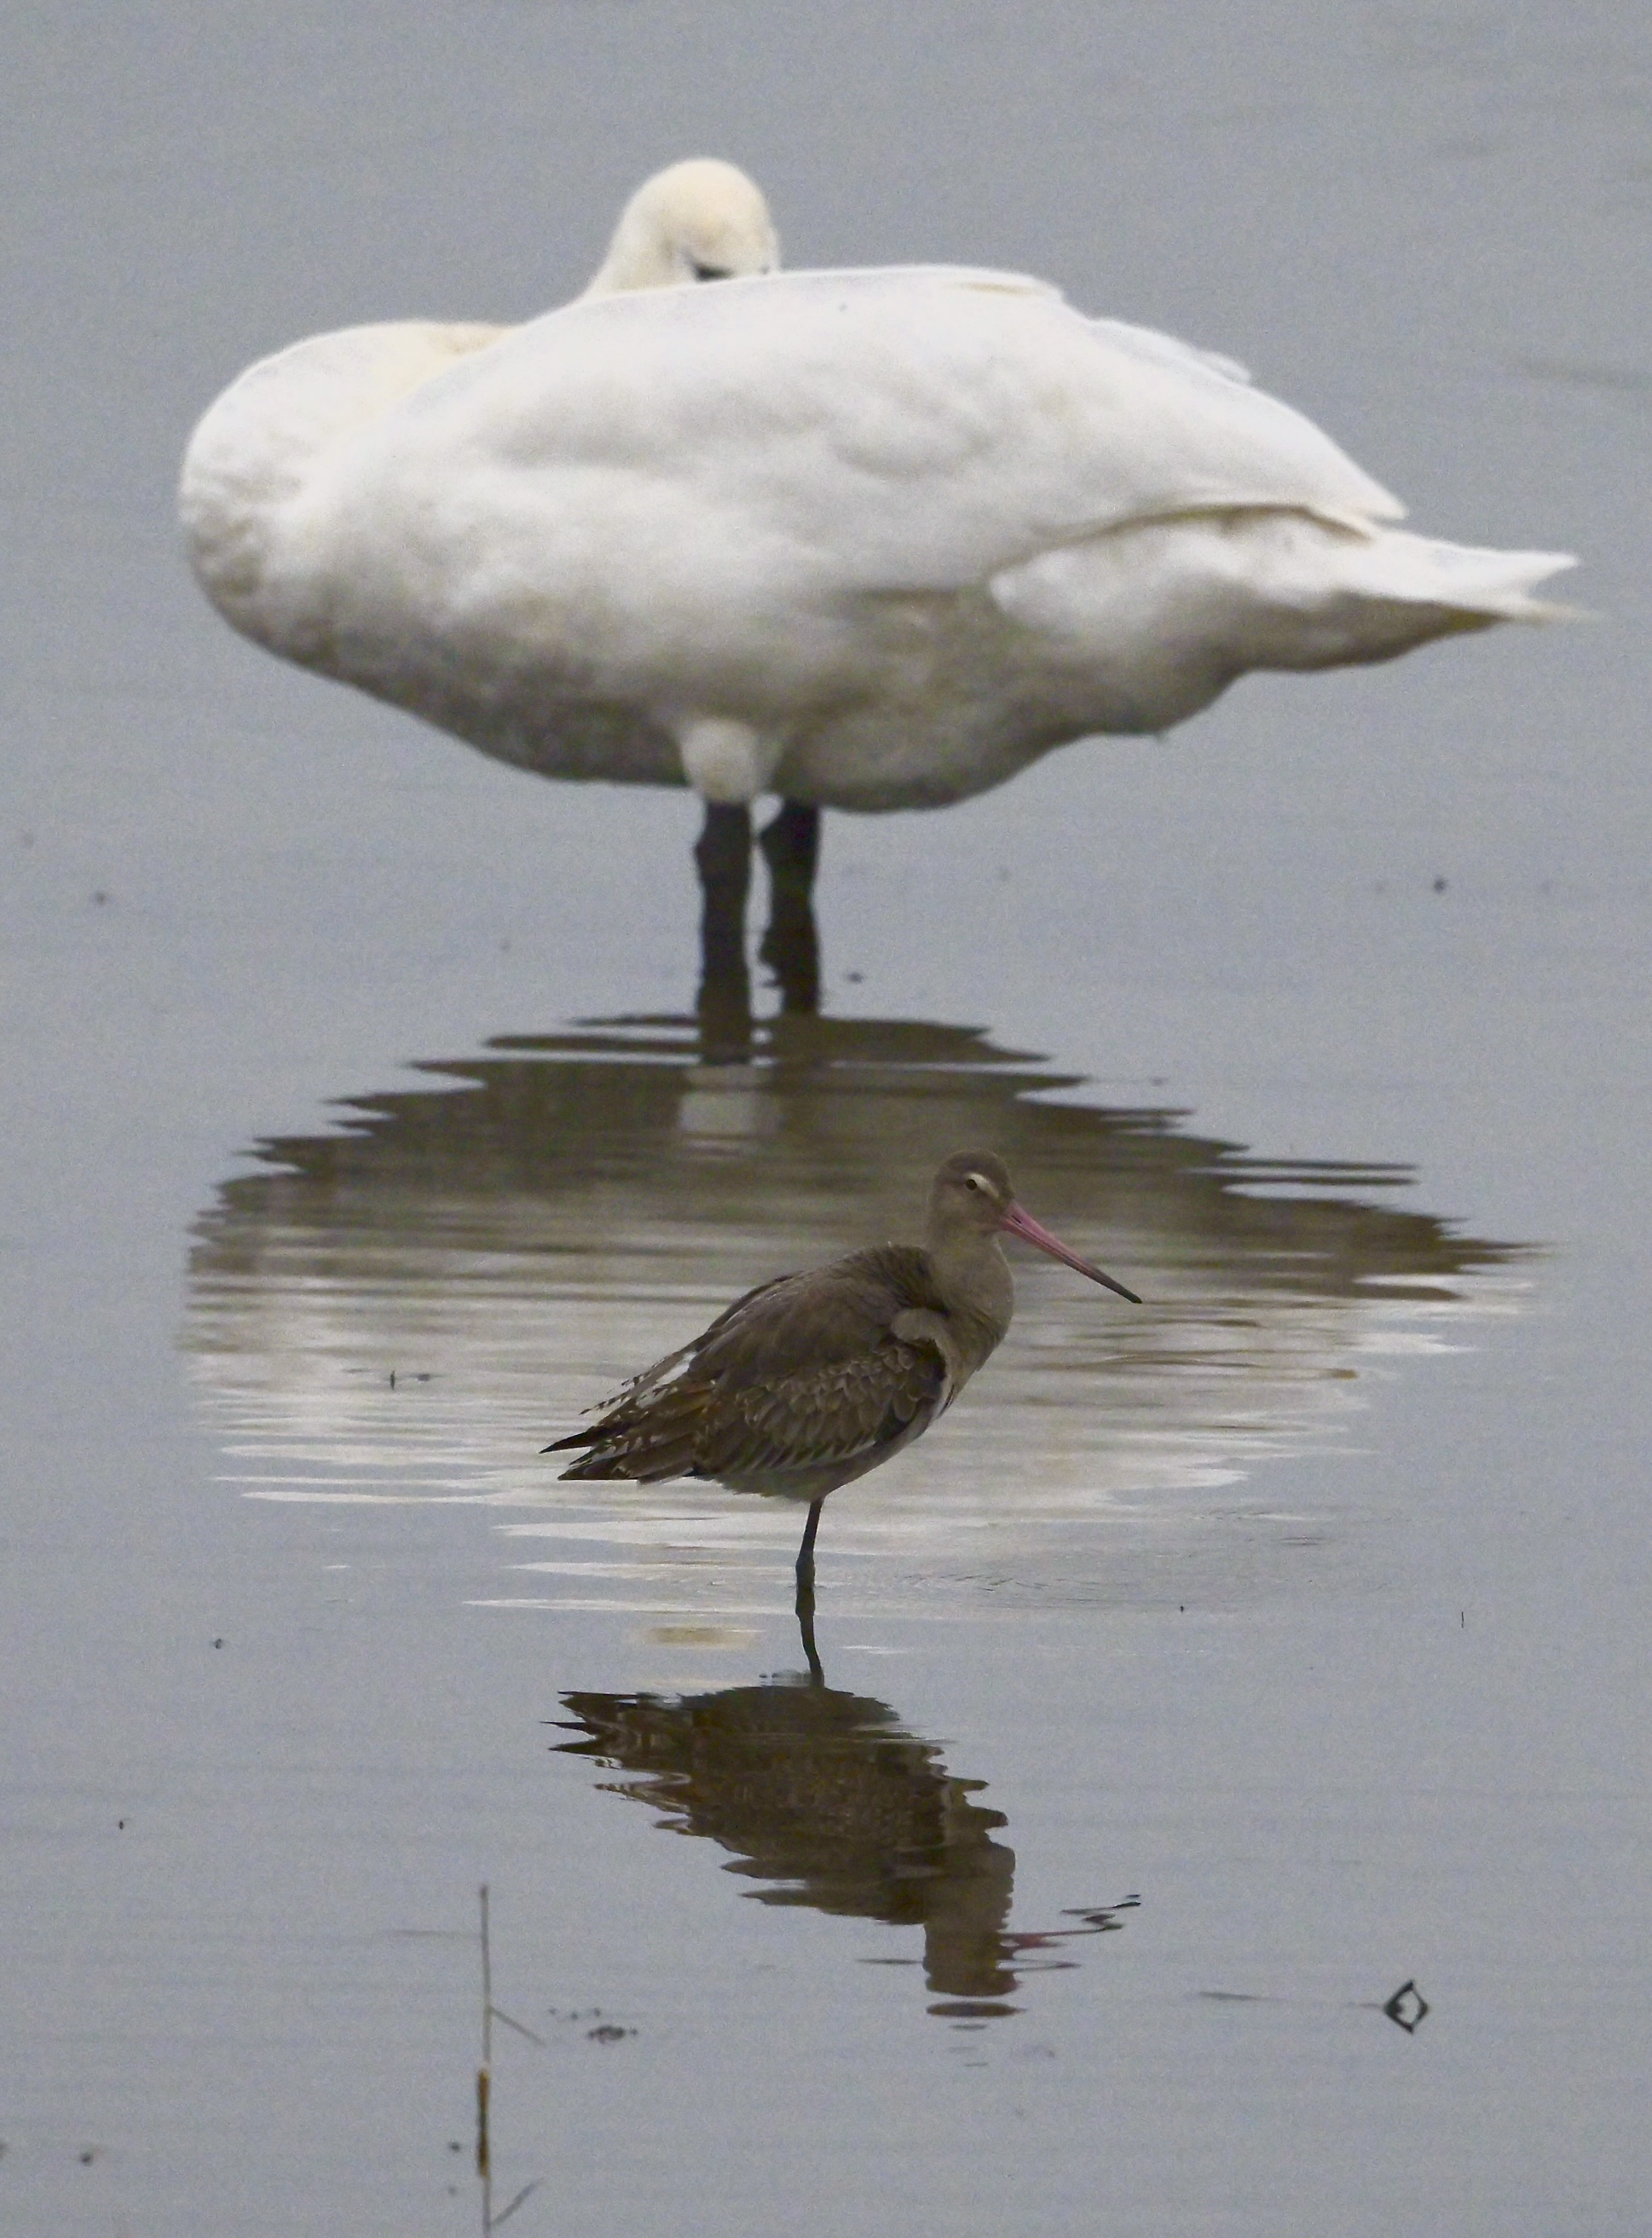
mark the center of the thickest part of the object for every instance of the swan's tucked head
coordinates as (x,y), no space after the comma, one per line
(702,220)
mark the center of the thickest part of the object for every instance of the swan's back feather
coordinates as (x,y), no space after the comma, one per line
(900,431)
(909,528)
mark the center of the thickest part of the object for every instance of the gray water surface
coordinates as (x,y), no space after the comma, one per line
(1212,1671)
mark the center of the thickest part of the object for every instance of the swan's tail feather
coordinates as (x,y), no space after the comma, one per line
(1480,587)
(1177,607)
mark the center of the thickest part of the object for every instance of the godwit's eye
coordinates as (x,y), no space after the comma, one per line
(974,1182)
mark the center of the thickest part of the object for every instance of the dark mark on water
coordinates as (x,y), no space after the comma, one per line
(1407,2008)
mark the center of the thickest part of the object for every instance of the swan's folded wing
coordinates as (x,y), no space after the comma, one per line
(881,431)
(1165,349)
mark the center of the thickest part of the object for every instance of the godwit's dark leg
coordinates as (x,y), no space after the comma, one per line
(722,854)
(791,844)
(806,1558)
(806,1630)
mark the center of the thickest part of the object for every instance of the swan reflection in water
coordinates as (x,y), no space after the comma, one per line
(406,1307)
(827,1799)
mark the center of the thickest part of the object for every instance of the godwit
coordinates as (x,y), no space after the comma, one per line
(811,1380)
(864,540)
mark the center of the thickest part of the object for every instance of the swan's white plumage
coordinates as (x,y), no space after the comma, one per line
(871,539)
(701,220)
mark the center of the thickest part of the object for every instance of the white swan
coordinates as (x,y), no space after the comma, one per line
(869,539)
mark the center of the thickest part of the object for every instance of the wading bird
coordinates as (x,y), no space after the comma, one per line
(811,1380)
(864,540)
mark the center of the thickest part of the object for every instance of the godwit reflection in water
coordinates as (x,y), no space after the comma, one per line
(824,1797)
(408,1306)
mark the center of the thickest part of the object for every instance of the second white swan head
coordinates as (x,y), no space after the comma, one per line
(700,220)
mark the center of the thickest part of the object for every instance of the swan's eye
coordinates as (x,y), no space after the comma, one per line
(709,271)
(974,1182)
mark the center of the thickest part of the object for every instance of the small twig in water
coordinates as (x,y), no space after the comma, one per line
(505,2215)
(485,2072)
(518,2026)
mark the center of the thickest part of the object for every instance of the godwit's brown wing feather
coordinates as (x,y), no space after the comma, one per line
(825,1416)
(801,1373)
(817,1417)
(825,1317)
(659,1439)
(634,1384)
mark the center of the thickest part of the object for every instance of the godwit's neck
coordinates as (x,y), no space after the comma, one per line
(972,1277)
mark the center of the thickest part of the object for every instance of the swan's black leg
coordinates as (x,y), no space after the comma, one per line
(791,844)
(722,854)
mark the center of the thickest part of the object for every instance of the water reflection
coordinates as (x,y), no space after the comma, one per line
(405,1307)
(828,1799)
